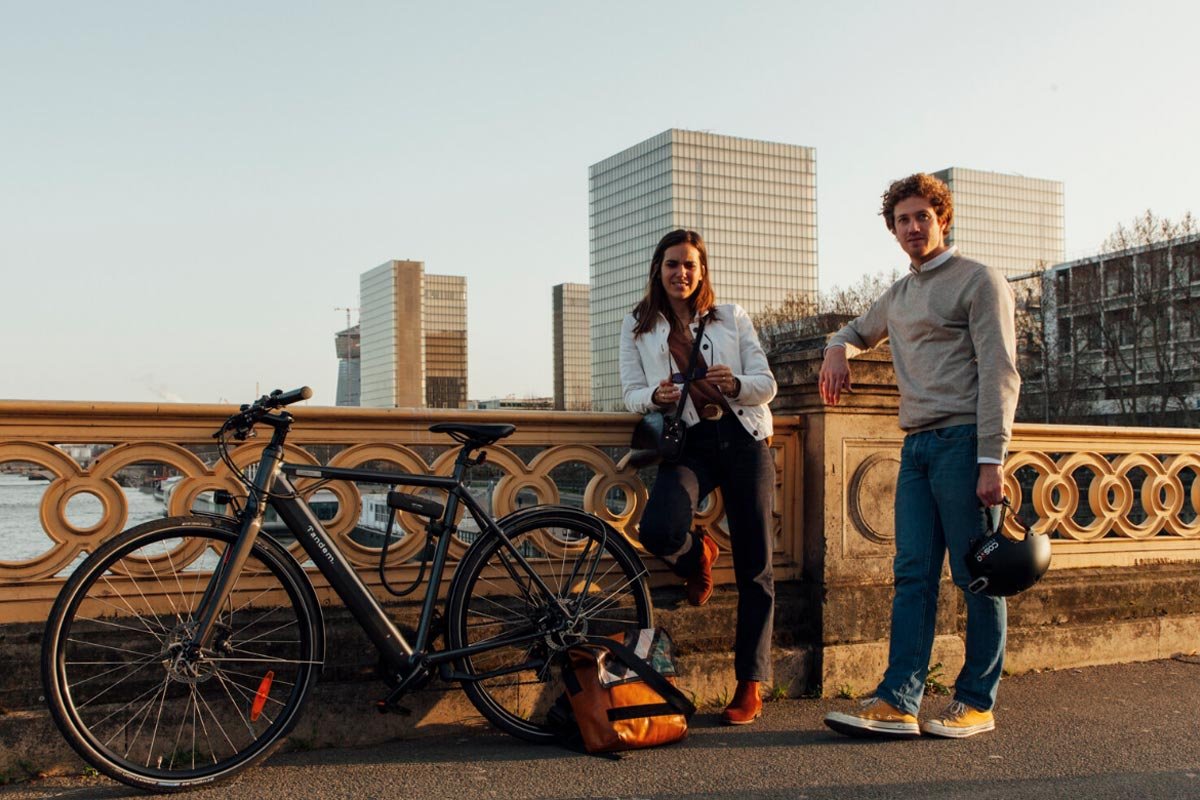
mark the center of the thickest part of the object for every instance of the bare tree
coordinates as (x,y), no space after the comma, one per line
(1055,377)
(1135,313)
(1148,229)
(801,316)
(789,320)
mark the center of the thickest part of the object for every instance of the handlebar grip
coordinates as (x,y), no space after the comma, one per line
(294,396)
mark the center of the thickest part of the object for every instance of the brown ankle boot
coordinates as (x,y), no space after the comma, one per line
(746,705)
(700,583)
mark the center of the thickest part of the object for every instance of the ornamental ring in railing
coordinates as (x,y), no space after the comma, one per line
(610,481)
(1110,496)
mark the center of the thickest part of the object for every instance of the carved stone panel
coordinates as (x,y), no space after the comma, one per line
(871,467)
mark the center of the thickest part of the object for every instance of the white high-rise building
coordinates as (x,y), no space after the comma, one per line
(1010,222)
(754,202)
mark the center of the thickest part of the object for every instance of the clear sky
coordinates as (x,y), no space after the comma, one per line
(189,190)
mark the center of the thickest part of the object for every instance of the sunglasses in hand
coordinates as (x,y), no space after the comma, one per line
(697,374)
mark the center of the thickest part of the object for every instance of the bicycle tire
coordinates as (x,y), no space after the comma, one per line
(491,597)
(116,628)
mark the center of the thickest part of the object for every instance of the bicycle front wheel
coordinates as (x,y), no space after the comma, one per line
(597,586)
(120,686)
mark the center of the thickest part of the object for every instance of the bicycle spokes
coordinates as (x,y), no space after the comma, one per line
(129,682)
(594,584)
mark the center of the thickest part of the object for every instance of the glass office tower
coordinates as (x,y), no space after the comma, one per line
(391,367)
(413,337)
(349,375)
(572,348)
(445,332)
(1010,222)
(754,202)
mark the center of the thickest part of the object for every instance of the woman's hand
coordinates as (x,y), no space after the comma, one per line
(721,376)
(666,394)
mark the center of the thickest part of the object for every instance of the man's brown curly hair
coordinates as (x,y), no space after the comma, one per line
(918,185)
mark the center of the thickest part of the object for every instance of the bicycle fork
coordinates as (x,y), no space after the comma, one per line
(230,565)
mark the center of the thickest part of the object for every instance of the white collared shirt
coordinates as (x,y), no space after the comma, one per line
(934,262)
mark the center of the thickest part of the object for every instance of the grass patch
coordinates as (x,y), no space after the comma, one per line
(778,691)
(933,680)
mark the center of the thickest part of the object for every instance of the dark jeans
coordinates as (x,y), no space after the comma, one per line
(937,511)
(722,455)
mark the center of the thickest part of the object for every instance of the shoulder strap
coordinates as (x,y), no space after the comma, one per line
(676,699)
(687,374)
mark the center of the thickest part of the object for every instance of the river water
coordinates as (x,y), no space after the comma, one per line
(22,537)
(21,534)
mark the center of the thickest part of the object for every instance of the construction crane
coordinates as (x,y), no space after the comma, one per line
(347,310)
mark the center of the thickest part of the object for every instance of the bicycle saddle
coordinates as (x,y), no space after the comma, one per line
(466,431)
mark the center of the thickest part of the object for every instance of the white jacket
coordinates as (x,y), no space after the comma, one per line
(730,339)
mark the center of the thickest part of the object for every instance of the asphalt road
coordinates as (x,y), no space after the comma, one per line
(1127,731)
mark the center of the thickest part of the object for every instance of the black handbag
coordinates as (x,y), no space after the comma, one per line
(659,436)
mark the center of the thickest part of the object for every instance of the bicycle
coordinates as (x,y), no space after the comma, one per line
(166,676)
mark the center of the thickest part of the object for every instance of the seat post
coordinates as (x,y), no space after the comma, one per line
(462,462)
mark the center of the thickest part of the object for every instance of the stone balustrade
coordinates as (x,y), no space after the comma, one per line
(1119,503)
(549,449)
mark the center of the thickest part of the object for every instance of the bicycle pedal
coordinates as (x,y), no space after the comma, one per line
(384,707)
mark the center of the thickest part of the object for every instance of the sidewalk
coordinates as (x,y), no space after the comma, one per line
(1124,731)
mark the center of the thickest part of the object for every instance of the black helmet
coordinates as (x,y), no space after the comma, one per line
(1001,566)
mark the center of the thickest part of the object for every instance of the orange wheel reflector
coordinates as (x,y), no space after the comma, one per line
(260,697)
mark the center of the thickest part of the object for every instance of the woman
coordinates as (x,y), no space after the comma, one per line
(728,425)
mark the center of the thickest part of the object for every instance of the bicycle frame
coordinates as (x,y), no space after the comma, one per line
(271,483)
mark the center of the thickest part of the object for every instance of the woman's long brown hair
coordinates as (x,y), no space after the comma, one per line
(655,301)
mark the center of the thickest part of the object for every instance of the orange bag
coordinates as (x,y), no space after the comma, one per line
(619,697)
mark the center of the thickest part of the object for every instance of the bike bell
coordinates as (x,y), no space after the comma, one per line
(1000,566)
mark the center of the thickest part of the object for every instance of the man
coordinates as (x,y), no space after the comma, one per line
(950,326)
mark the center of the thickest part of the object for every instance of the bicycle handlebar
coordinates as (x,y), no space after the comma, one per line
(252,413)
(294,396)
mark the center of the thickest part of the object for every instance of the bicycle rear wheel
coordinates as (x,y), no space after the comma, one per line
(591,572)
(122,691)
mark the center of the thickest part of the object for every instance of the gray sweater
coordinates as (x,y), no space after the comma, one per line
(952,332)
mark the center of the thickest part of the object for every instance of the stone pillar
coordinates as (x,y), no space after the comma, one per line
(851,461)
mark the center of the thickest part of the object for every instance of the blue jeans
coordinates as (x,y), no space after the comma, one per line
(937,510)
(723,455)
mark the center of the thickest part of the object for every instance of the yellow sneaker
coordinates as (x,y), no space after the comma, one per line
(874,718)
(959,720)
